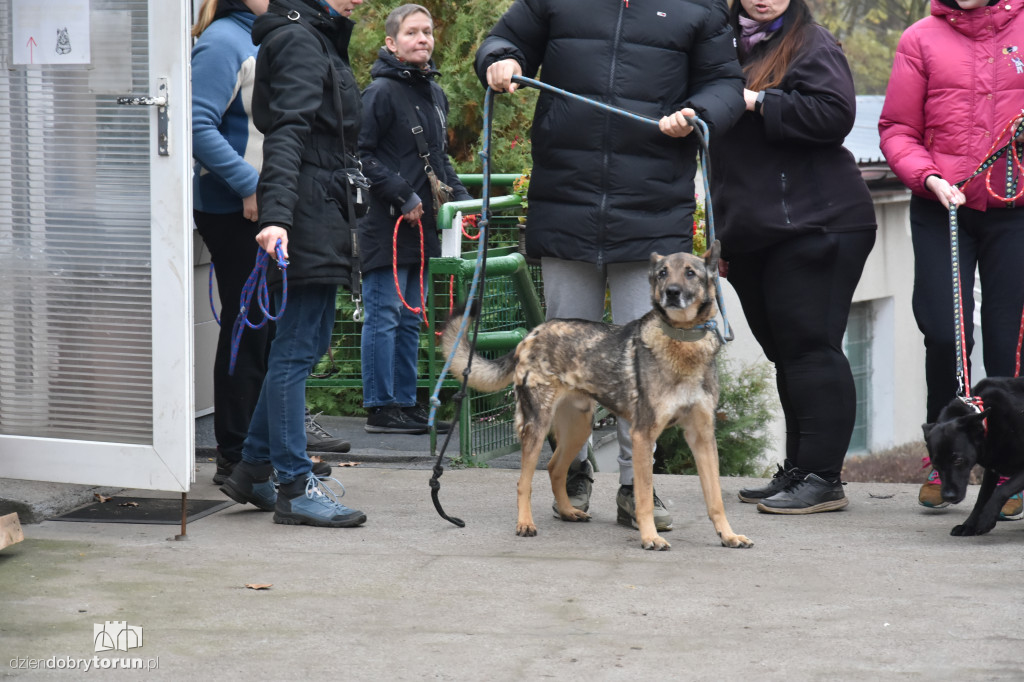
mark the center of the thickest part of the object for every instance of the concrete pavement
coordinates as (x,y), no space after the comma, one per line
(877,592)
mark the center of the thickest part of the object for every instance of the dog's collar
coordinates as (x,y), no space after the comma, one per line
(692,334)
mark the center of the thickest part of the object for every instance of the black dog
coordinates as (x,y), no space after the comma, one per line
(992,438)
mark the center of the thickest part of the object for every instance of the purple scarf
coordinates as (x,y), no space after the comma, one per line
(752,32)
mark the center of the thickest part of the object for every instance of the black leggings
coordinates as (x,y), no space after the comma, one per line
(992,241)
(231,240)
(796,297)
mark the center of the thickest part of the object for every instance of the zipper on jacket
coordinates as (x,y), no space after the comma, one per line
(606,155)
(785,206)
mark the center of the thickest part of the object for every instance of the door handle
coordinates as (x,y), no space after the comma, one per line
(160,101)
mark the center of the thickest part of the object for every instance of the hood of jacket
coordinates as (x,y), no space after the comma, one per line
(337,29)
(970,22)
(388,65)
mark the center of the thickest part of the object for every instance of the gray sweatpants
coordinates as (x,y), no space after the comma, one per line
(573,289)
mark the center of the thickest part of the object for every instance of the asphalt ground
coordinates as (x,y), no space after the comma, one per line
(879,591)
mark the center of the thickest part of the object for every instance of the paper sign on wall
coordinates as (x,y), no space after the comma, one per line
(51,31)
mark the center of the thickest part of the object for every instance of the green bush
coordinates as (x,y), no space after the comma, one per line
(744,412)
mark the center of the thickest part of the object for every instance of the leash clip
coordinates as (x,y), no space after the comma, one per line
(357,314)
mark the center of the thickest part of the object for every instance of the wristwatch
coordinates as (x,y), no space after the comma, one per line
(759,103)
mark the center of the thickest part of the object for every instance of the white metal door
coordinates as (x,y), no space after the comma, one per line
(95,243)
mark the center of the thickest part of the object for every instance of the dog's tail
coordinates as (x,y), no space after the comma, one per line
(486,375)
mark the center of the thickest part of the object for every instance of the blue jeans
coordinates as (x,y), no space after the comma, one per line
(391,337)
(277,431)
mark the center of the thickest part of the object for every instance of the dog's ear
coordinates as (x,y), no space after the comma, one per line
(927,428)
(974,424)
(655,257)
(712,255)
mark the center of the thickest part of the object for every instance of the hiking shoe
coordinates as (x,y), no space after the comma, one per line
(930,494)
(419,415)
(250,483)
(780,480)
(224,468)
(391,419)
(627,509)
(578,484)
(1013,509)
(310,502)
(809,495)
(318,439)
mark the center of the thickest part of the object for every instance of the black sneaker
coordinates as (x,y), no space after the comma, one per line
(318,439)
(419,415)
(783,477)
(810,495)
(391,419)
(224,468)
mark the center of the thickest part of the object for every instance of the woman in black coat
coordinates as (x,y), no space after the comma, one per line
(403,94)
(796,224)
(302,79)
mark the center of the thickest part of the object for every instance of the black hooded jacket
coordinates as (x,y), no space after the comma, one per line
(392,163)
(786,173)
(605,188)
(294,107)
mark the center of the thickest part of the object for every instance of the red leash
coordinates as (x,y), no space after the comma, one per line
(394,269)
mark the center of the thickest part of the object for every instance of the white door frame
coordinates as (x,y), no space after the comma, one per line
(169,463)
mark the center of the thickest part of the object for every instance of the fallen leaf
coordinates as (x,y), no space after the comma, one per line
(880,497)
(128,504)
(259,586)
(102,498)
(347,464)
(315,458)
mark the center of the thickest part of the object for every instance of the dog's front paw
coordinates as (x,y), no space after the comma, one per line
(736,541)
(657,542)
(964,530)
(526,530)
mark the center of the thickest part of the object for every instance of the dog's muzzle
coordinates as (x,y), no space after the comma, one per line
(674,296)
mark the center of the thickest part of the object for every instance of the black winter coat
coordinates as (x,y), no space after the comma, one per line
(294,107)
(391,161)
(786,173)
(605,188)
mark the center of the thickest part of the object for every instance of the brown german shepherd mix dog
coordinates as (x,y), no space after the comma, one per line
(654,372)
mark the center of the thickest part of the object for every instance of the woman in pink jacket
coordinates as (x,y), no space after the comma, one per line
(955,94)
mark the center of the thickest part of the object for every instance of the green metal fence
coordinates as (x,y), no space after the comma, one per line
(511,304)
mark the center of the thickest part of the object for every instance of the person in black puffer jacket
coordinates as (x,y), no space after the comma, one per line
(605,190)
(303,205)
(400,199)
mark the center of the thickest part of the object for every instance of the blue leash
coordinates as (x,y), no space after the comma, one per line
(481,259)
(257,283)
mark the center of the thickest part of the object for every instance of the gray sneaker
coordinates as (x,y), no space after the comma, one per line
(578,484)
(319,439)
(627,510)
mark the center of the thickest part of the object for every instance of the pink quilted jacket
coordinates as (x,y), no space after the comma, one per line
(957,81)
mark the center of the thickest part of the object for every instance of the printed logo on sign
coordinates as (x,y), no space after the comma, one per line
(116,636)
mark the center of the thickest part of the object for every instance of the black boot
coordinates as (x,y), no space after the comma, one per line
(811,495)
(786,474)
